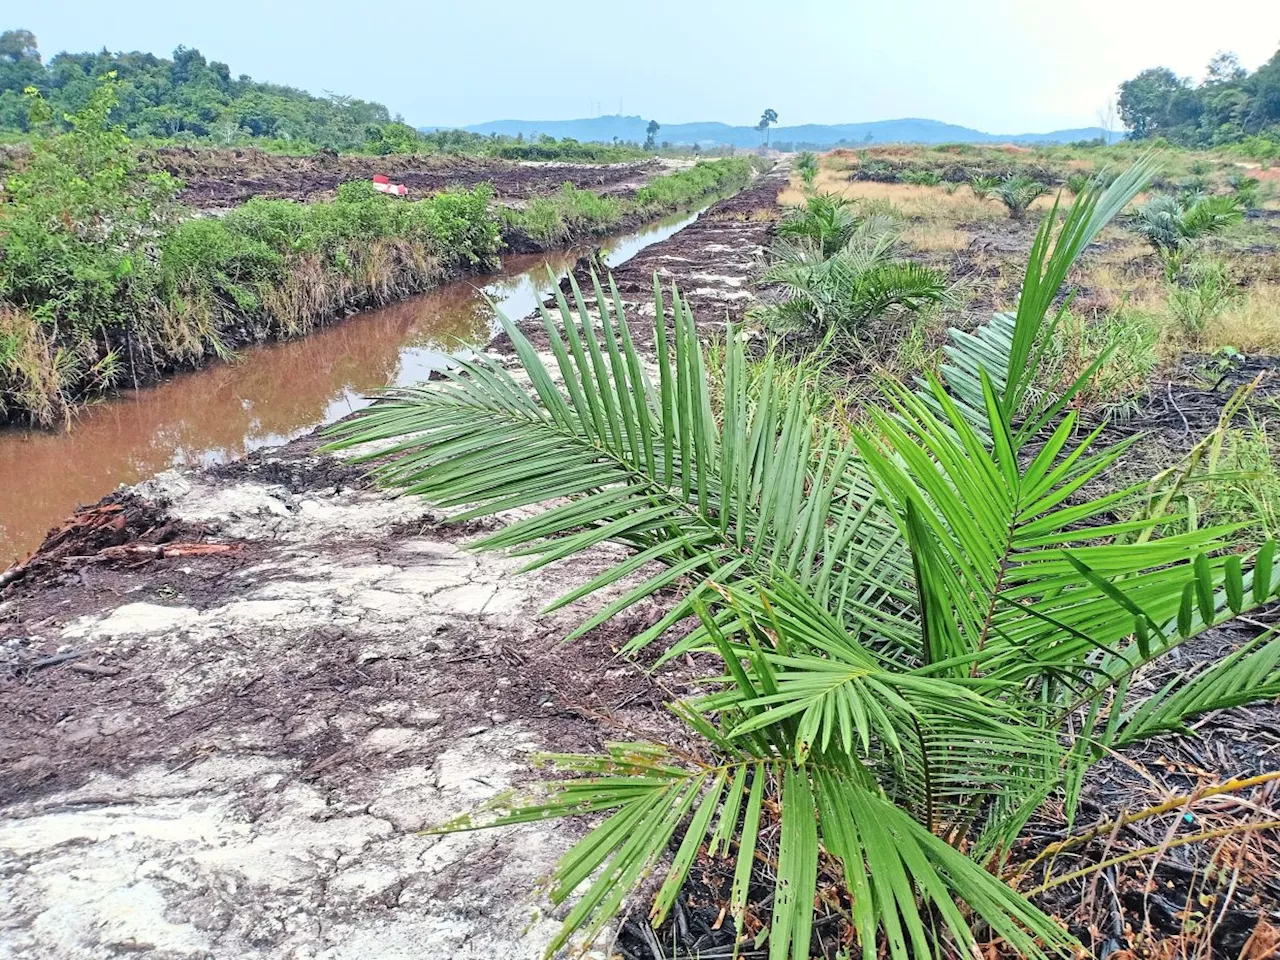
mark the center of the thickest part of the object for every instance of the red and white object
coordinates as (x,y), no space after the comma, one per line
(382,184)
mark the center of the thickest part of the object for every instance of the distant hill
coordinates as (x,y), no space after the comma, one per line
(722,134)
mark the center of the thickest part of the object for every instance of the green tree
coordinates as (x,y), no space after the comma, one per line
(651,133)
(19,45)
(767,119)
(1229,106)
(1156,102)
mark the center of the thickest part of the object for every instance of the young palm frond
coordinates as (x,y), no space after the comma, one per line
(827,220)
(903,710)
(807,167)
(1018,193)
(1172,225)
(848,288)
(982,185)
(645,464)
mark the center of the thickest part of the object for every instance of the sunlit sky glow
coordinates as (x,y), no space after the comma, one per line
(1001,66)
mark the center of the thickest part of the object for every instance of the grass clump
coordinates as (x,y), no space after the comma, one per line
(1245,483)
(679,189)
(564,217)
(1127,338)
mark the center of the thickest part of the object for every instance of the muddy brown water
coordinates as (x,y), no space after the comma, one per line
(268,395)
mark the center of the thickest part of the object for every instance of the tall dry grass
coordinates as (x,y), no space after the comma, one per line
(913,201)
(1250,322)
(34,373)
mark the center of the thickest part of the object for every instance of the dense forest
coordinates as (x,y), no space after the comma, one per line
(1230,105)
(186,97)
(191,98)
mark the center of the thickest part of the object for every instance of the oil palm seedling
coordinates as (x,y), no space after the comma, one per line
(926,634)
(921,178)
(982,185)
(807,167)
(1248,190)
(1017,193)
(826,220)
(1173,225)
(844,291)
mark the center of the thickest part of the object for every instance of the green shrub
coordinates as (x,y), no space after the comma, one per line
(1077,182)
(683,187)
(921,178)
(569,215)
(1200,293)
(78,224)
(206,257)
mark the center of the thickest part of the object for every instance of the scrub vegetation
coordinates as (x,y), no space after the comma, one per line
(106,280)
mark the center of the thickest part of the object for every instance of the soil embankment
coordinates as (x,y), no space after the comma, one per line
(712,261)
(230,696)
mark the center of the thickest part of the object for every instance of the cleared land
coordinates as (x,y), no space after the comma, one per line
(344,672)
(225,178)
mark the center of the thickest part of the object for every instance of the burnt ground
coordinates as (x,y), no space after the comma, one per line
(226,178)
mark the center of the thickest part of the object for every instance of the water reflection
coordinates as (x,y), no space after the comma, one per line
(269,395)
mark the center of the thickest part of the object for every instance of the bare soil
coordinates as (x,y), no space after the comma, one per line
(226,755)
(228,177)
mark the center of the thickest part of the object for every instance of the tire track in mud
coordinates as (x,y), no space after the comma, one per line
(240,768)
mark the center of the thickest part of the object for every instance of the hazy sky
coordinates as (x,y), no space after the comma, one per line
(1002,66)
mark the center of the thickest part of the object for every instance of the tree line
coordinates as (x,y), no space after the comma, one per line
(190,98)
(1229,105)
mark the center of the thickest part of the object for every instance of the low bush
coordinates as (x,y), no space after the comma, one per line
(681,188)
(567,216)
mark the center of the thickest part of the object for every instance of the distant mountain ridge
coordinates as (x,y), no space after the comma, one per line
(712,134)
